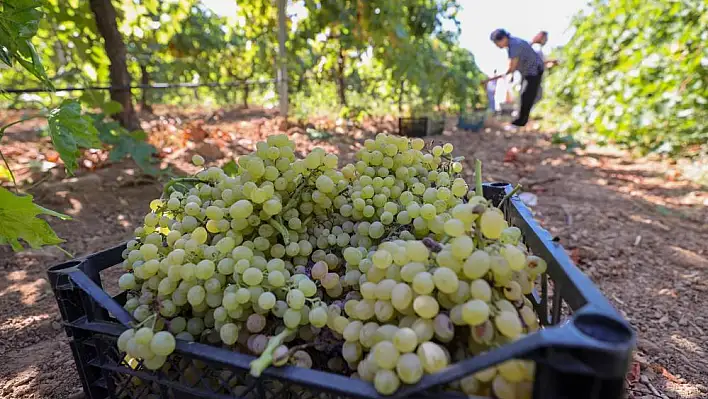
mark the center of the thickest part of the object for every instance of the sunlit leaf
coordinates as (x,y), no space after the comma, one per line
(19,222)
(70,131)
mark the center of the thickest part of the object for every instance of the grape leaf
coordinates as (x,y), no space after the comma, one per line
(230,168)
(19,22)
(126,143)
(71,131)
(19,221)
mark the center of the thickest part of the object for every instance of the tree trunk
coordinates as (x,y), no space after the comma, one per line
(144,80)
(400,96)
(105,15)
(341,85)
(246,92)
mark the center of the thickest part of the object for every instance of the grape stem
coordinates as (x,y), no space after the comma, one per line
(152,318)
(172,182)
(509,195)
(281,229)
(478,177)
(266,358)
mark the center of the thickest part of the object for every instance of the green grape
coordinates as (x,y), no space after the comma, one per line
(432,357)
(475,312)
(410,270)
(295,299)
(480,289)
(383,310)
(318,317)
(535,265)
(204,269)
(383,289)
(177,325)
(445,280)
(143,336)
(417,251)
(426,306)
(292,318)
(512,370)
(385,355)
(229,333)
(401,296)
(127,282)
(503,389)
(330,281)
(509,324)
(199,235)
(382,259)
(500,270)
(461,247)
(386,382)
(405,340)
(352,330)
(124,338)
(266,300)
(352,256)
(492,223)
(423,283)
(276,279)
(324,184)
(477,265)
(252,276)
(409,368)
(241,209)
(512,291)
(428,212)
(514,257)
(196,295)
(214,212)
(162,343)
(307,287)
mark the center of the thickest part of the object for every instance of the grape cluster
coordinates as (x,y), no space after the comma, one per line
(393,263)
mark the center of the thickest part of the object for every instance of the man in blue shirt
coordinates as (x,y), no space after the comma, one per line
(524,59)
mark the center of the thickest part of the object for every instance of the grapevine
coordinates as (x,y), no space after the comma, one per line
(391,265)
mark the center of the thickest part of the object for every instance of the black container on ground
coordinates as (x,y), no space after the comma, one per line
(413,127)
(582,352)
(436,127)
(473,122)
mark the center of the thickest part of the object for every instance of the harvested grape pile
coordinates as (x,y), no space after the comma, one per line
(392,266)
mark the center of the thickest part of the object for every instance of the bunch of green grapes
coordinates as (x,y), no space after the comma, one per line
(392,261)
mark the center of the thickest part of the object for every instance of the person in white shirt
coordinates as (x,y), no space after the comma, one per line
(537,43)
(491,93)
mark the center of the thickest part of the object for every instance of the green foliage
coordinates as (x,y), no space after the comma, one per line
(124,143)
(635,72)
(19,22)
(70,131)
(19,221)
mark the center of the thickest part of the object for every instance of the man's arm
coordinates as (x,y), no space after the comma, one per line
(513,65)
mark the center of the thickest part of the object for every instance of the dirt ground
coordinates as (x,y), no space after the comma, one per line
(634,226)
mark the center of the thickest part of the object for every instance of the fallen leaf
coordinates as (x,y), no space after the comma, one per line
(510,155)
(663,371)
(634,373)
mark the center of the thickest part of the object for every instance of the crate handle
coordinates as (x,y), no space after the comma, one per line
(101,297)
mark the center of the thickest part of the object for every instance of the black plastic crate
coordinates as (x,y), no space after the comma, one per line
(582,352)
(436,127)
(473,122)
(413,127)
